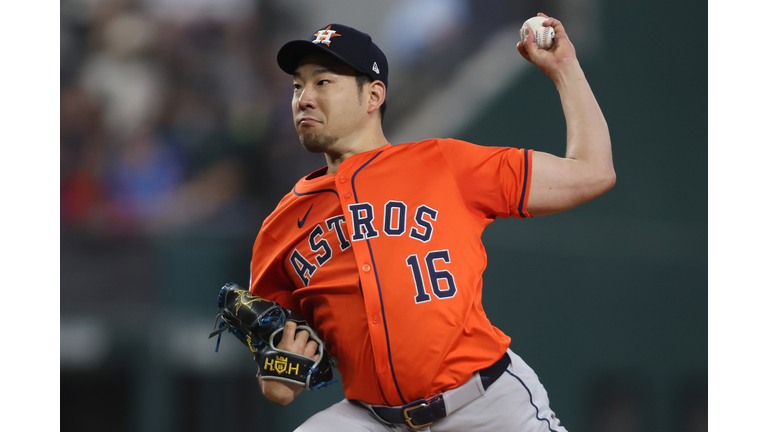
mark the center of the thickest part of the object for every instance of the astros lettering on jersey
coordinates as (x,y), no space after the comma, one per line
(357,261)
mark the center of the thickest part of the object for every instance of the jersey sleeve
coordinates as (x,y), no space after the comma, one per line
(494,181)
(268,277)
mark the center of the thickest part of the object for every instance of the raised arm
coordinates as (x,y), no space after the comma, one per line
(586,171)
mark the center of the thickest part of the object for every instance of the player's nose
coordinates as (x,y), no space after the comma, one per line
(306,99)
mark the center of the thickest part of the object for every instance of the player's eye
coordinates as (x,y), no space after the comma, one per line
(323,82)
(296,87)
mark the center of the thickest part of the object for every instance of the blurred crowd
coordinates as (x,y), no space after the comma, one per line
(174,114)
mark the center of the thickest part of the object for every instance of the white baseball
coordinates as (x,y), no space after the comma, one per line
(544,36)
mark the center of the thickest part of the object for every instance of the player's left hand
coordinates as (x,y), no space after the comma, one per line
(551,61)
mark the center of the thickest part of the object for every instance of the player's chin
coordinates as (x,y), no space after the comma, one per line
(316,142)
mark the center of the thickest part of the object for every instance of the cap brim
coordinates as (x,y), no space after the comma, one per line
(292,52)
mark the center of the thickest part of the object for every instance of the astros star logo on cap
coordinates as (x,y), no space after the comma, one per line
(324,36)
(355,49)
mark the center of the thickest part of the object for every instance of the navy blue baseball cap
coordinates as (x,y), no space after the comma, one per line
(351,46)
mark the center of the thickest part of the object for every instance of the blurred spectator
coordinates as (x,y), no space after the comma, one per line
(82,156)
(123,77)
(190,11)
(143,178)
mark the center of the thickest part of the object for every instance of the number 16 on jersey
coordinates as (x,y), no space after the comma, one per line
(448,289)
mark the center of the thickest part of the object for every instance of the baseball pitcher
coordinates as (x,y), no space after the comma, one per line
(373,264)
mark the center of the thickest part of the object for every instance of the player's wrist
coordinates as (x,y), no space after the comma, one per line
(279,392)
(568,72)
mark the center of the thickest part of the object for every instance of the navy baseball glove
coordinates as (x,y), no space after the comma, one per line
(258,323)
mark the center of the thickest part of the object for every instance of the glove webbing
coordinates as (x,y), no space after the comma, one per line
(224,325)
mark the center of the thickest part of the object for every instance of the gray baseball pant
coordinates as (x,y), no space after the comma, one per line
(516,402)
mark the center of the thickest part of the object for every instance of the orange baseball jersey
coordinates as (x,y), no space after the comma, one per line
(385,260)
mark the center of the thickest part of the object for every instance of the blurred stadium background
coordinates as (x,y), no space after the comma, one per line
(177,140)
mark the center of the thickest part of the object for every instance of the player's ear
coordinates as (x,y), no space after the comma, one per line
(377,92)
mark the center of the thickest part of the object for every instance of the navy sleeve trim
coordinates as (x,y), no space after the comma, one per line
(525,186)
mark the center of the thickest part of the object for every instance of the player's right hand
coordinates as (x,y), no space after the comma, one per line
(555,60)
(282,392)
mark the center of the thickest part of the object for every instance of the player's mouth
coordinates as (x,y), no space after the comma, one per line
(307,121)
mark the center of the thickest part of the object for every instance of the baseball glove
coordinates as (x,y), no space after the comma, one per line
(258,323)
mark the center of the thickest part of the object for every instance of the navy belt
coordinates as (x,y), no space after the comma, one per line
(424,412)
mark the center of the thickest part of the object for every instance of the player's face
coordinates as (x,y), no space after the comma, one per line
(327,106)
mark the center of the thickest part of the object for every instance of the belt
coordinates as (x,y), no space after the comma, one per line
(424,412)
